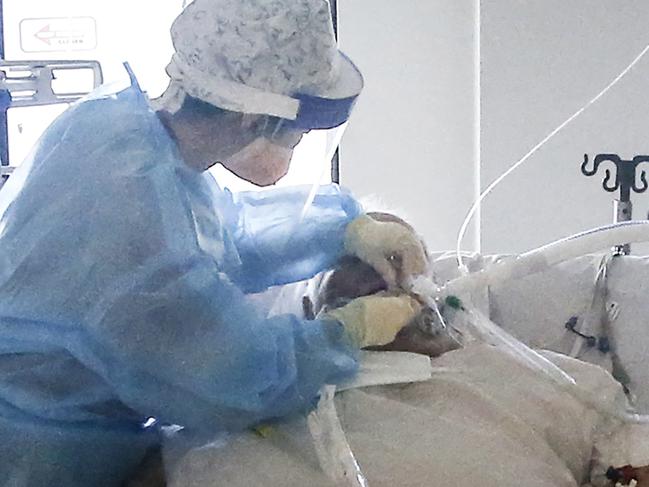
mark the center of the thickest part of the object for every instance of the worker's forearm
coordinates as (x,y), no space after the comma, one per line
(280,241)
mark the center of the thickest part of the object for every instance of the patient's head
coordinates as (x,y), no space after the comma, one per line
(351,279)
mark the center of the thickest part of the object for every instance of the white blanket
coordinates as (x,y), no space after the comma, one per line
(482,419)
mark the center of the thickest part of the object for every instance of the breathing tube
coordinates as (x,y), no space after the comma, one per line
(549,255)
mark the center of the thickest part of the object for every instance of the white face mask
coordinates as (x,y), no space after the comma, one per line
(260,162)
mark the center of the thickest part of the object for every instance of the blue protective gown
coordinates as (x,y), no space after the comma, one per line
(123,275)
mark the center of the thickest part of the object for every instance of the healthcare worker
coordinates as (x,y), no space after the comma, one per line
(124,267)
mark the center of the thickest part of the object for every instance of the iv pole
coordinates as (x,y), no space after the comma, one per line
(625,181)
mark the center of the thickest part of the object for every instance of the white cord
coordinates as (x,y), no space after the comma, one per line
(478,202)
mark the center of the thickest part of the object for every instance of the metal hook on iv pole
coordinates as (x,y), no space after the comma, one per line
(624,181)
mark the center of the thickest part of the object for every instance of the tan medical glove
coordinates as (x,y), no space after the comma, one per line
(375,320)
(393,249)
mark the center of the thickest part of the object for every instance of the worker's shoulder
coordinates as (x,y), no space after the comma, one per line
(116,112)
(102,125)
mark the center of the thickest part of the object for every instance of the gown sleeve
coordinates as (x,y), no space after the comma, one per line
(279,242)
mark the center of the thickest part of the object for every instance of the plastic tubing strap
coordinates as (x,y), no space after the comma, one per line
(336,458)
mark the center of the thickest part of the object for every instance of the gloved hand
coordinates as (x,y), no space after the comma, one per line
(375,320)
(392,249)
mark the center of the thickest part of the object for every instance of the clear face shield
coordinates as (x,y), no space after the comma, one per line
(316,120)
(313,149)
(275,143)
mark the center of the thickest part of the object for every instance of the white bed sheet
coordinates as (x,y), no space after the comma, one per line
(482,419)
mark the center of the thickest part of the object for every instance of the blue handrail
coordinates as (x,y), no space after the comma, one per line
(5,101)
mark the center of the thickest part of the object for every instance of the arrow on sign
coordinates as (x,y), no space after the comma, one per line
(47,35)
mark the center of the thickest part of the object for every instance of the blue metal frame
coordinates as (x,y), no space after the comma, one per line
(5,100)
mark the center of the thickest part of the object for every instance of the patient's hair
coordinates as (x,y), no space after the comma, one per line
(351,279)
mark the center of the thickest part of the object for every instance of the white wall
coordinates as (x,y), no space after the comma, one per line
(411,137)
(541,61)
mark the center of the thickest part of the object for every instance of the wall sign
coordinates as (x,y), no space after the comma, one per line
(58,34)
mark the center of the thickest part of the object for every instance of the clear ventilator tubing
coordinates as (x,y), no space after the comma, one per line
(472,324)
(537,260)
(478,324)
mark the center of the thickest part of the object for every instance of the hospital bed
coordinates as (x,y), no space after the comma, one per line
(475,416)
